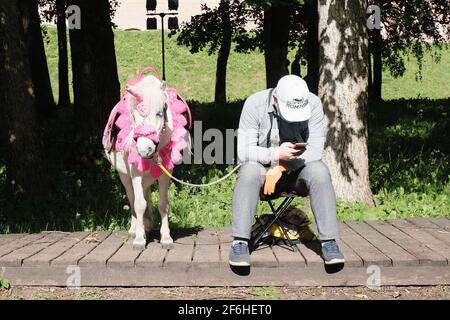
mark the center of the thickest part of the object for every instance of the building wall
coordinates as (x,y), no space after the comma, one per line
(131,14)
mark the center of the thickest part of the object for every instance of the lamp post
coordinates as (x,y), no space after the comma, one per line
(173,5)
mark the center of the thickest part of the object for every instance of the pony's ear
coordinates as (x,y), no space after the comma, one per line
(163,85)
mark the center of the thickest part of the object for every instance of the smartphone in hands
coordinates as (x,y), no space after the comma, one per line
(300,148)
(300,145)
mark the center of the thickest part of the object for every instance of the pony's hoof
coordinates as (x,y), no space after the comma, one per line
(167,245)
(139,246)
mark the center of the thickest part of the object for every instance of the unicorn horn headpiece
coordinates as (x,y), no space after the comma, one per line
(135,94)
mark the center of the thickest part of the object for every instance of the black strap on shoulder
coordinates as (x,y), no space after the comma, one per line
(271,114)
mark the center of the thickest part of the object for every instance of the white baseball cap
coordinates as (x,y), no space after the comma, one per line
(292,95)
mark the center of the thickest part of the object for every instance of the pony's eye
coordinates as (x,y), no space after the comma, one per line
(159,114)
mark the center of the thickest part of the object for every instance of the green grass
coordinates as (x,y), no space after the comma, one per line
(435,83)
(41,296)
(88,295)
(409,159)
(408,148)
(266,293)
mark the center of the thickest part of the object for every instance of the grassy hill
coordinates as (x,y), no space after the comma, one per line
(194,74)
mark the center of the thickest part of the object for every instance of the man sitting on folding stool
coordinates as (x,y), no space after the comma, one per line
(273,124)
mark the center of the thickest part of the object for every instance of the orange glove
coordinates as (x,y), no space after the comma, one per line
(272,177)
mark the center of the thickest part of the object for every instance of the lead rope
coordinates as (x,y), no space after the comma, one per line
(195,184)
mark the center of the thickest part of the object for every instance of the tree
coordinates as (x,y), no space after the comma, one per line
(376,67)
(215,29)
(343,83)
(276,37)
(220,96)
(55,11)
(310,20)
(95,81)
(25,162)
(409,27)
(36,53)
(277,27)
(63,61)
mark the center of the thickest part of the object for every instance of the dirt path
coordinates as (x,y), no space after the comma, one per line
(246,293)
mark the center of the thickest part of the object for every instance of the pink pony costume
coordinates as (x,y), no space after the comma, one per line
(121,131)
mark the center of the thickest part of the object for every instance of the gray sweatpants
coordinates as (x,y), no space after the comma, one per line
(313,179)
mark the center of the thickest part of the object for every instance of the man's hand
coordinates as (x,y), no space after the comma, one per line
(272,177)
(286,151)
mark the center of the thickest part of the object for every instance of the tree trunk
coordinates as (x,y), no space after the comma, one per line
(312,45)
(95,81)
(296,68)
(25,163)
(276,36)
(224,53)
(343,86)
(377,66)
(370,85)
(36,52)
(63,63)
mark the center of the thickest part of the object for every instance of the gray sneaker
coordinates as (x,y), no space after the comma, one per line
(331,252)
(239,255)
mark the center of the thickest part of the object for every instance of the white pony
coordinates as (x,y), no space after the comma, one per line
(146,128)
